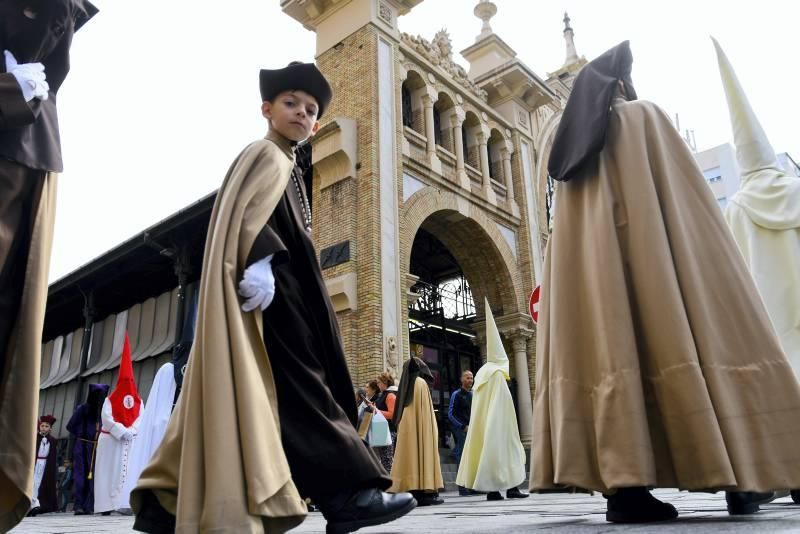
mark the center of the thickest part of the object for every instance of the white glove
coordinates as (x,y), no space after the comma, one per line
(126,436)
(258,285)
(30,77)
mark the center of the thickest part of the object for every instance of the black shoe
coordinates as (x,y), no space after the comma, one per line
(152,517)
(33,512)
(364,508)
(795,496)
(637,505)
(746,502)
(494,496)
(80,512)
(427,498)
(515,493)
(463,492)
(106,512)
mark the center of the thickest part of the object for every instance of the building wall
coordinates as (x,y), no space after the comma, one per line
(720,171)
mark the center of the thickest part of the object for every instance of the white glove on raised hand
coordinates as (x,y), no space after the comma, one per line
(30,77)
(126,436)
(258,285)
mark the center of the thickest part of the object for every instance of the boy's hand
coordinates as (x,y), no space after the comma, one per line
(258,285)
(30,77)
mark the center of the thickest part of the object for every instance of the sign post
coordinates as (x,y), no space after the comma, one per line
(533,304)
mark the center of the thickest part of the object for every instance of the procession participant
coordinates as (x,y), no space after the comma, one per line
(44,473)
(121,415)
(35,38)
(657,365)
(416,466)
(493,458)
(251,357)
(85,425)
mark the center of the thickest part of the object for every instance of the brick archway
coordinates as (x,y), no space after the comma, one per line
(474,241)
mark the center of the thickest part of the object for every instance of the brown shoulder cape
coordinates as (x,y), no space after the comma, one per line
(221,465)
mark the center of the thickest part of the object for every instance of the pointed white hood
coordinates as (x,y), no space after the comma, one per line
(769,196)
(496,358)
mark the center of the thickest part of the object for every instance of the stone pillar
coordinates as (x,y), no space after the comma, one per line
(457,121)
(506,155)
(428,98)
(483,152)
(519,343)
(509,178)
(427,104)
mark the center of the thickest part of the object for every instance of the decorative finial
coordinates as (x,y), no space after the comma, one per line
(569,37)
(485,10)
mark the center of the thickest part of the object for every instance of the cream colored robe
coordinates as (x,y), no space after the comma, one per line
(221,465)
(416,465)
(19,383)
(493,457)
(772,253)
(656,361)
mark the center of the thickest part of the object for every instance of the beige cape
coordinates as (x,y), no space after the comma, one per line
(656,364)
(19,383)
(416,464)
(221,465)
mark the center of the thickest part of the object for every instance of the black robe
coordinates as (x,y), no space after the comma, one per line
(47,489)
(315,392)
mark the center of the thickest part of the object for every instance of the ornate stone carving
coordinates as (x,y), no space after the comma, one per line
(385,12)
(440,53)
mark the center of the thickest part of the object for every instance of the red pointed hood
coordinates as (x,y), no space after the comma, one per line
(125,399)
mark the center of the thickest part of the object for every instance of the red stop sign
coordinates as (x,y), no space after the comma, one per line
(533,304)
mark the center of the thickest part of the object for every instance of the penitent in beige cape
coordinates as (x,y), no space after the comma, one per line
(19,381)
(416,464)
(221,465)
(656,361)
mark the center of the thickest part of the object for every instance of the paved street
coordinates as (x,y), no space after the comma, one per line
(558,512)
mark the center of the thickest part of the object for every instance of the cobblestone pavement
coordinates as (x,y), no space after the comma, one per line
(700,512)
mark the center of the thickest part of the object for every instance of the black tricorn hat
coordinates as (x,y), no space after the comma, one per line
(296,76)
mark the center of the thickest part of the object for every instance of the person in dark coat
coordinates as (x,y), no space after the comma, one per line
(44,474)
(85,426)
(35,38)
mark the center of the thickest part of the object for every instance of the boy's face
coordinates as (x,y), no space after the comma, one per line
(293,114)
(44,428)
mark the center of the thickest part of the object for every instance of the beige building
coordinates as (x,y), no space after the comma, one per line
(430,189)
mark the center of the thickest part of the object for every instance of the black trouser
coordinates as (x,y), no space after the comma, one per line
(325,454)
(20,191)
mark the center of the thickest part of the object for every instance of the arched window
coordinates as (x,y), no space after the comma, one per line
(437,126)
(408,113)
(494,147)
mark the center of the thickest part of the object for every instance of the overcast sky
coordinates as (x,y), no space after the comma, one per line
(163,94)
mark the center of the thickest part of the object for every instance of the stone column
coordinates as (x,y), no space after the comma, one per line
(509,178)
(457,120)
(506,155)
(427,104)
(433,158)
(483,151)
(519,343)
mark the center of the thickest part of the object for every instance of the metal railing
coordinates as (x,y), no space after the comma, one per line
(453,297)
